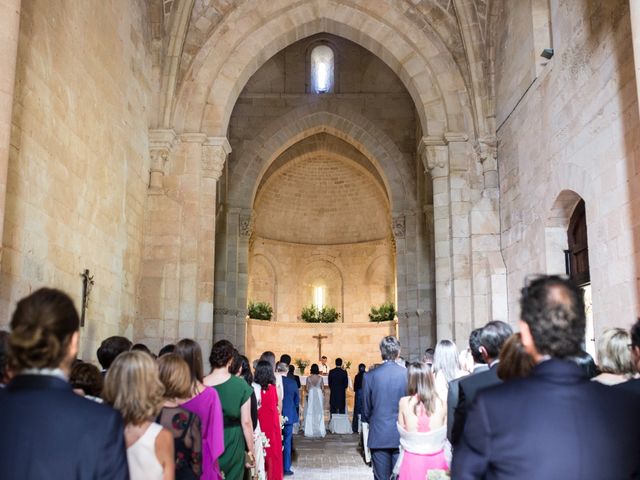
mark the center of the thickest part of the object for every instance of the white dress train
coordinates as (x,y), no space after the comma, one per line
(314,410)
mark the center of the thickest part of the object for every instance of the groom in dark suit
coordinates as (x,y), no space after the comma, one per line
(338,383)
(554,423)
(382,389)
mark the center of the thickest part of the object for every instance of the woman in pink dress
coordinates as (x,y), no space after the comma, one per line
(422,423)
(205,403)
(269,419)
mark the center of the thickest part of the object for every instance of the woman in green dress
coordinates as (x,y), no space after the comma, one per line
(235,397)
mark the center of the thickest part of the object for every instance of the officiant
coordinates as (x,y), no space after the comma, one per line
(338,383)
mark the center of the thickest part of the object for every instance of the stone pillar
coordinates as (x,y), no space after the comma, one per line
(634,11)
(160,144)
(9,32)
(214,154)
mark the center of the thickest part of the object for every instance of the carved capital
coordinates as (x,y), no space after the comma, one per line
(486,150)
(398,226)
(245,225)
(161,142)
(434,154)
(214,154)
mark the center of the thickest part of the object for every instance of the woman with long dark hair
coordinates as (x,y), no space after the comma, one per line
(269,418)
(422,423)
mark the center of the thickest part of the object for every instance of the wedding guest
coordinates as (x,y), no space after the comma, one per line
(290,404)
(338,383)
(169,348)
(271,358)
(478,366)
(42,419)
(132,386)
(357,402)
(204,402)
(184,425)
(4,358)
(555,423)
(314,406)
(515,362)
(269,418)
(285,358)
(141,347)
(492,338)
(86,380)
(422,417)
(428,356)
(382,389)
(446,367)
(614,357)
(586,363)
(235,398)
(110,348)
(243,370)
(633,385)
(292,375)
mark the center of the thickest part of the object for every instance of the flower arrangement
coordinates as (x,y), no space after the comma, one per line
(260,310)
(384,313)
(311,314)
(301,364)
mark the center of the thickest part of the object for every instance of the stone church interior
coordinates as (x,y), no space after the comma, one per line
(176,165)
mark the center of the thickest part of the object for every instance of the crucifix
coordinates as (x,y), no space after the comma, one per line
(87,283)
(319,337)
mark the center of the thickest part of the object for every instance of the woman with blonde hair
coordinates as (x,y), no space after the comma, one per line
(422,424)
(133,387)
(614,357)
(183,424)
(446,367)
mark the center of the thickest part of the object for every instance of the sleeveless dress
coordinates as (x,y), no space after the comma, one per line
(187,440)
(233,394)
(269,419)
(314,411)
(207,406)
(415,462)
(141,456)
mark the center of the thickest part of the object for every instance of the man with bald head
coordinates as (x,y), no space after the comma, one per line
(555,423)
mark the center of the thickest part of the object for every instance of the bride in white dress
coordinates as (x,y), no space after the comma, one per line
(314,408)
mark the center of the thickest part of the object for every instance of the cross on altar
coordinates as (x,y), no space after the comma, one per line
(319,337)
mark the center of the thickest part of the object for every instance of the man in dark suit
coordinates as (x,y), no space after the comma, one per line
(479,365)
(47,430)
(338,383)
(290,404)
(633,385)
(555,423)
(492,338)
(381,392)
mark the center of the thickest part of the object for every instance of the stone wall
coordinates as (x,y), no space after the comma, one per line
(78,166)
(354,342)
(575,134)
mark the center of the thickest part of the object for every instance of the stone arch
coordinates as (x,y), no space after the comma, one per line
(321,267)
(555,231)
(370,279)
(256,292)
(253,33)
(340,122)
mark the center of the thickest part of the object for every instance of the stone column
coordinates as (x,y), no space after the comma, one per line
(9,32)
(160,144)
(634,10)
(214,155)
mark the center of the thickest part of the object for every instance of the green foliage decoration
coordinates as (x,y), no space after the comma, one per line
(260,310)
(384,313)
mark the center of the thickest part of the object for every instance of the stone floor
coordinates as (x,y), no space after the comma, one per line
(335,457)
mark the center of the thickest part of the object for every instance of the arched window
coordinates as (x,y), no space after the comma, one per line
(322,63)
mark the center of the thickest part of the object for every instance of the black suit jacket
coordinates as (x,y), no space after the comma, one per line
(382,389)
(555,424)
(468,387)
(453,397)
(338,383)
(49,432)
(630,386)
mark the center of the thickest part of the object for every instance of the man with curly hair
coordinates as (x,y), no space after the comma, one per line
(555,423)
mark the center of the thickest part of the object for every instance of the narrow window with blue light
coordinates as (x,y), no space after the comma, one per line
(322,61)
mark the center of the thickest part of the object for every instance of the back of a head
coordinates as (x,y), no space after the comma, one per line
(586,364)
(132,386)
(174,375)
(269,357)
(614,355)
(87,377)
(110,348)
(389,348)
(362,368)
(291,370)
(42,327)
(474,345)
(282,367)
(315,370)
(635,334)
(338,362)
(221,353)
(420,382)
(169,348)
(428,356)
(264,374)
(285,358)
(445,359)
(245,370)
(191,353)
(553,309)
(493,336)
(515,362)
